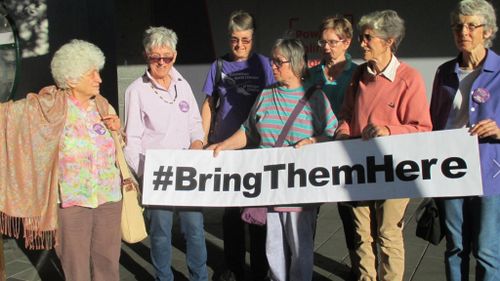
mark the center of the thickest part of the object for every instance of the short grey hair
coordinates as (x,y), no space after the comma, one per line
(293,50)
(240,21)
(73,60)
(386,24)
(159,36)
(482,9)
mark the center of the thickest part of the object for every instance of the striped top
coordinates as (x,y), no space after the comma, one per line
(272,109)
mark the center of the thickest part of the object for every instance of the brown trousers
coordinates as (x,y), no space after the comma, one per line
(89,242)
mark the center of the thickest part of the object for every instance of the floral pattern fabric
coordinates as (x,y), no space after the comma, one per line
(88,176)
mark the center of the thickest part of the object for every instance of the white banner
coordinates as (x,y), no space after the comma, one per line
(436,164)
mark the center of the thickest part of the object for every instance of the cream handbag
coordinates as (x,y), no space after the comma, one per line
(132,223)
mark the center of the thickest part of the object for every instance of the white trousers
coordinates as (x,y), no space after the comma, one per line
(290,244)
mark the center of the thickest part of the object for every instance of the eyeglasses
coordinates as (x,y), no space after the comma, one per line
(458,27)
(365,37)
(276,61)
(331,43)
(244,41)
(157,59)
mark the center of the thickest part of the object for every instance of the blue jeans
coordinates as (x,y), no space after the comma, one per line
(160,235)
(472,226)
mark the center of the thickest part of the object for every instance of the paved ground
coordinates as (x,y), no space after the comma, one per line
(424,262)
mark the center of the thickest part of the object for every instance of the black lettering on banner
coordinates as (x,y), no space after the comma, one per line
(426,168)
(348,170)
(319,176)
(252,181)
(217,179)
(203,181)
(387,167)
(274,169)
(407,170)
(292,173)
(184,178)
(453,163)
(250,184)
(227,181)
(162,178)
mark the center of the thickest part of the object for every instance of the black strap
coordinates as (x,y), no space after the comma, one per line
(298,108)
(215,95)
(218,71)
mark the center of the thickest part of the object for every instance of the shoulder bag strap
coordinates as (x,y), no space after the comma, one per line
(128,181)
(215,95)
(300,105)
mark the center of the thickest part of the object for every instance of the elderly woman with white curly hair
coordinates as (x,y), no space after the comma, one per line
(161,113)
(61,171)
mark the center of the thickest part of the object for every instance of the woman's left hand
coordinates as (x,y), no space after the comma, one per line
(303,142)
(371,131)
(112,122)
(486,128)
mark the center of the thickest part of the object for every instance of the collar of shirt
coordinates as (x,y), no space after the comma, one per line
(389,72)
(490,63)
(173,74)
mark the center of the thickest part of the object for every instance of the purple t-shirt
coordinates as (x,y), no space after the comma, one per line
(241,83)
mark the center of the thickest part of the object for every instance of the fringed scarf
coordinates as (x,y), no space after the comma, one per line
(30,130)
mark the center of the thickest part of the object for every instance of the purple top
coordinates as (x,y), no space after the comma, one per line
(171,121)
(242,82)
(444,91)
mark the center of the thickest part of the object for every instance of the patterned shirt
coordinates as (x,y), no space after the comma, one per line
(88,176)
(275,105)
(270,113)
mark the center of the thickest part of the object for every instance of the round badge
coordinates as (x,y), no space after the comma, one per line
(184,106)
(481,95)
(99,129)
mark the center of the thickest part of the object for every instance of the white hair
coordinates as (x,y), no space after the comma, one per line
(73,60)
(159,37)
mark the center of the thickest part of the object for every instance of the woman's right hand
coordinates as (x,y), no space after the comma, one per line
(372,131)
(216,147)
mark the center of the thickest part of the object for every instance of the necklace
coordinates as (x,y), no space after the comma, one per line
(163,99)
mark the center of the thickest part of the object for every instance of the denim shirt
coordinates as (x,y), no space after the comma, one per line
(443,92)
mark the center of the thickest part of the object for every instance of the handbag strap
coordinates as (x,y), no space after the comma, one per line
(128,180)
(215,95)
(298,108)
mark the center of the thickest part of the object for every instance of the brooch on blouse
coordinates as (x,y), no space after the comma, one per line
(99,129)
(481,95)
